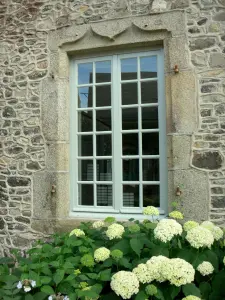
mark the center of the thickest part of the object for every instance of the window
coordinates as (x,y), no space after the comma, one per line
(118,136)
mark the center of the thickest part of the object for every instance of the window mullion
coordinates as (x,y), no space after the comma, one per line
(94,138)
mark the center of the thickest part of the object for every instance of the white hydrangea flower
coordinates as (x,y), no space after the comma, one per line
(200,237)
(143,274)
(125,284)
(216,230)
(50,298)
(178,271)
(115,231)
(166,229)
(101,254)
(224,260)
(205,268)
(207,224)
(66,298)
(33,283)
(77,232)
(19,285)
(27,289)
(190,224)
(190,297)
(151,211)
(98,224)
(155,265)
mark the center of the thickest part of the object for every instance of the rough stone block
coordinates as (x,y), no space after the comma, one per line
(217,60)
(209,160)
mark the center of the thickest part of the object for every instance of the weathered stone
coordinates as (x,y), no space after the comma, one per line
(14,150)
(180,4)
(202,21)
(209,160)
(31,130)
(217,60)
(206,112)
(2,224)
(218,201)
(37,75)
(217,190)
(20,242)
(159,5)
(8,112)
(194,30)
(37,140)
(219,16)
(18,181)
(209,88)
(202,43)
(33,165)
(199,59)
(220,109)
(22,220)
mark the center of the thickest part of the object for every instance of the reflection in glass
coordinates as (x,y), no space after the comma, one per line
(151,195)
(150,117)
(148,67)
(150,143)
(104,195)
(129,118)
(150,169)
(85,122)
(104,170)
(149,92)
(103,95)
(131,195)
(85,170)
(86,194)
(129,68)
(85,73)
(130,144)
(103,120)
(103,71)
(85,145)
(129,93)
(104,144)
(130,169)
(85,97)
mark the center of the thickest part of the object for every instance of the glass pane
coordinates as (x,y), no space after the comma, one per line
(103,71)
(150,170)
(150,143)
(130,144)
(85,170)
(85,73)
(85,97)
(85,121)
(149,92)
(129,118)
(104,170)
(151,195)
(103,120)
(131,195)
(150,118)
(104,195)
(131,169)
(148,67)
(103,95)
(129,68)
(129,93)
(104,145)
(85,145)
(86,194)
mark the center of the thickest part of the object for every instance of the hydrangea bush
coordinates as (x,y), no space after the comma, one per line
(109,260)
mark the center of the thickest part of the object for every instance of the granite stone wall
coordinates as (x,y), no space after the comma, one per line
(24,63)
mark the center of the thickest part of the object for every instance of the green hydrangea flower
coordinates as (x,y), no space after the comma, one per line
(110,220)
(83,285)
(83,249)
(151,290)
(134,228)
(117,254)
(176,215)
(77,272)
(87,260)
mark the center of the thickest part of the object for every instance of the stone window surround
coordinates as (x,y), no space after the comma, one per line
(167,30)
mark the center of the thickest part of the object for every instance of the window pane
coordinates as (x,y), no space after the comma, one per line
(85,145)
(130,144)
(103,71)
(103,120)
(85,170)
(103,95)
(129,118)
(149,92)
(104,195)
(131,195)
(151,195)
(150,143)
(150,170)
(104,145)
(86,194)
(129,93)
(148,67)
(85,73)
(104,170)
(85,121)
(85,97)
(131,169)
(129,68)
(150,118)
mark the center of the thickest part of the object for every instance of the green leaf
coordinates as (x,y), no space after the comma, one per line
(123,246)
(205,289)
(159,294)
(29,297)
(10,278)
(173,291)
(152,225)
(70,277)
(90,294)
(54,264)
(212,258)
(141,296)
(92,275)
(47,248)
(47,289)
(125,263)
(191,289)
(58,276)
(136,245)
(45,279)
(105,275)
(40,296)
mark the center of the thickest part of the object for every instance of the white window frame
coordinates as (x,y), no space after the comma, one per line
(77,210)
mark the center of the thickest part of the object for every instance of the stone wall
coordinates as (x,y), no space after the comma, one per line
(24,64)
